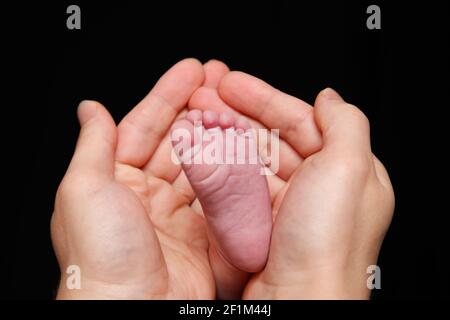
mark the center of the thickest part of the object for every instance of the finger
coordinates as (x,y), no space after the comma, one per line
(275,185)
(214,72)
(208,99)
(207,94)
(205,98)
(141,131)
(274,109)
(343,126)
(94,153)
(197,207)
(161,164)
(182,185)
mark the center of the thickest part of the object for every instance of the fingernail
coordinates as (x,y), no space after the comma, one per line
(331,94)
(87,110)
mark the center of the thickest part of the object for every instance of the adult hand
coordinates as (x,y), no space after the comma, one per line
(332,214)
(122,212)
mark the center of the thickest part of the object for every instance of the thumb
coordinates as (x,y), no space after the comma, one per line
(95,150)
(343,125)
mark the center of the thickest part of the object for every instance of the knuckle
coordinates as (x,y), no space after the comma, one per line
(359,116)
(352,165)
(295,126)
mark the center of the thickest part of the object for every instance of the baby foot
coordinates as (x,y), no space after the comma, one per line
(226,175)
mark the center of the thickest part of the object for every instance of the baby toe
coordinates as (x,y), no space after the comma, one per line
(195,116)
(226,120)
(210,119)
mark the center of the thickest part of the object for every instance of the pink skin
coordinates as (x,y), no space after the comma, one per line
(235,197)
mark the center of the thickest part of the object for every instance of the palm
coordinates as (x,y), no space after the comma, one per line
(297,224)
(180,232)
(143,163)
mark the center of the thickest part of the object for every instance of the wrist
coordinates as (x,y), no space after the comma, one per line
(326,283)
(97,290)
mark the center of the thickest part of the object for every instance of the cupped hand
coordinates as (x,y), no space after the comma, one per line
(123,210)
(332,199)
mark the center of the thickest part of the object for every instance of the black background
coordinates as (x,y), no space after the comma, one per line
(397,75)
